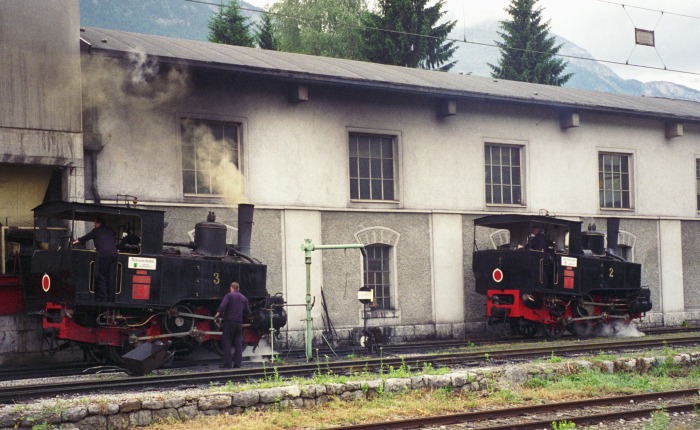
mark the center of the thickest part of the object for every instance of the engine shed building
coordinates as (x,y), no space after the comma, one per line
(401,160)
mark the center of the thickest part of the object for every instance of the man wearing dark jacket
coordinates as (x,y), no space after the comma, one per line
(106,246)
(234,311)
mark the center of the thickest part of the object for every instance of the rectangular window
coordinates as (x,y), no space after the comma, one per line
(377,274)
(697,180)
(372,167)
(210,149)
(614,180)
(503,174)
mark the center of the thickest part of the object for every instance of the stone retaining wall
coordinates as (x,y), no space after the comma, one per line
(110,413)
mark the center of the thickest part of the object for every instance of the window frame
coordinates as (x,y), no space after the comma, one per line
(395,137)
(629,156)
(508,143)
(239,122)
(386,271)
(380,235)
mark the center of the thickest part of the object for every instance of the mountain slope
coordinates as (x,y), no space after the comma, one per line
(172,18)
(588,74)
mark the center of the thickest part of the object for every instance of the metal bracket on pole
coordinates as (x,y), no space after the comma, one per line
(308,248)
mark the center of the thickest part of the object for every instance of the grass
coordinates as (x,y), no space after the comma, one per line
(581,384)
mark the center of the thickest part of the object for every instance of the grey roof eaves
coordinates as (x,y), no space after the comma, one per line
(349,73)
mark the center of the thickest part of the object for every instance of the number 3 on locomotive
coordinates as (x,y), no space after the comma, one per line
(216,278)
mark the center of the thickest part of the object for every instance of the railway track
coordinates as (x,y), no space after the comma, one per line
(580,412)
(17,373)
(19,393)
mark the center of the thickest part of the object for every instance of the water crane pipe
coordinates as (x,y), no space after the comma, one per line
(308,248)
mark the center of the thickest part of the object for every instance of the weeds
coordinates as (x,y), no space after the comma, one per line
(660,420)
(536,382)
(555,359)
(563,425)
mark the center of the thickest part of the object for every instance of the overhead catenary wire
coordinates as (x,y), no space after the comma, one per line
(493,45)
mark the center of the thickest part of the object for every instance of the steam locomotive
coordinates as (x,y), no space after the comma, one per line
(165,292)
(570,282)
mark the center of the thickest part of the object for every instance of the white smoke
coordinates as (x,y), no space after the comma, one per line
(262,353)
(618,329)
(113,86)
(142,68)
(214,158)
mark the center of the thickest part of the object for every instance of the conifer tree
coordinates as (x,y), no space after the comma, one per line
(407,33)
(330,28)
(265,35)
(528,52)
(229,26)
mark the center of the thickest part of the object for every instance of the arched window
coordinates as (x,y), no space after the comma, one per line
(378,265)
(377,274)
(625,245)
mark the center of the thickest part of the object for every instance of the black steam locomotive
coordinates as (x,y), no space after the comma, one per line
(165,292)
(543,273)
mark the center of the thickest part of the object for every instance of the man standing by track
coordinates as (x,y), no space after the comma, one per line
(233,310)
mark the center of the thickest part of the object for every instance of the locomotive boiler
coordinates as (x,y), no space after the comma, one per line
(167,292)
(541,273)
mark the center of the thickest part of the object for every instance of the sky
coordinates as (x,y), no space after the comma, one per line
(605,29)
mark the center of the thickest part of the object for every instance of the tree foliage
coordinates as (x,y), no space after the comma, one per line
(265,34)
(330,28)
(229,26)
(528,52)
(407,33)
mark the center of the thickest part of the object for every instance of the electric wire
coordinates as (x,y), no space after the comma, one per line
(648,9)
(492,45)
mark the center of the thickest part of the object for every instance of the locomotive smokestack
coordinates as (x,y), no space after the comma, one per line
(245,227)
(613,230)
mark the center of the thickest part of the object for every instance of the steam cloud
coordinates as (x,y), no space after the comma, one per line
(215,162)
(262,353)
(138,83)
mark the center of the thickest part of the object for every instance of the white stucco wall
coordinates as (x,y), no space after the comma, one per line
(296,155)
(448,271)
(671,265)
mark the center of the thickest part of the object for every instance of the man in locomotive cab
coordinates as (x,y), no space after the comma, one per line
(233,310)
(106,247)
(537,240)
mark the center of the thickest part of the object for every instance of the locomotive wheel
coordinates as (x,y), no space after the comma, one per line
(179,324)
(527,329)
(553,331)
(582,329)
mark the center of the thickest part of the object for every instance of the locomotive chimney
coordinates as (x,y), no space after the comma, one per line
(613,230)
(245,227)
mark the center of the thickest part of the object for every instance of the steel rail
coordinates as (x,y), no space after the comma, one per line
(382,364)
(483,416)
